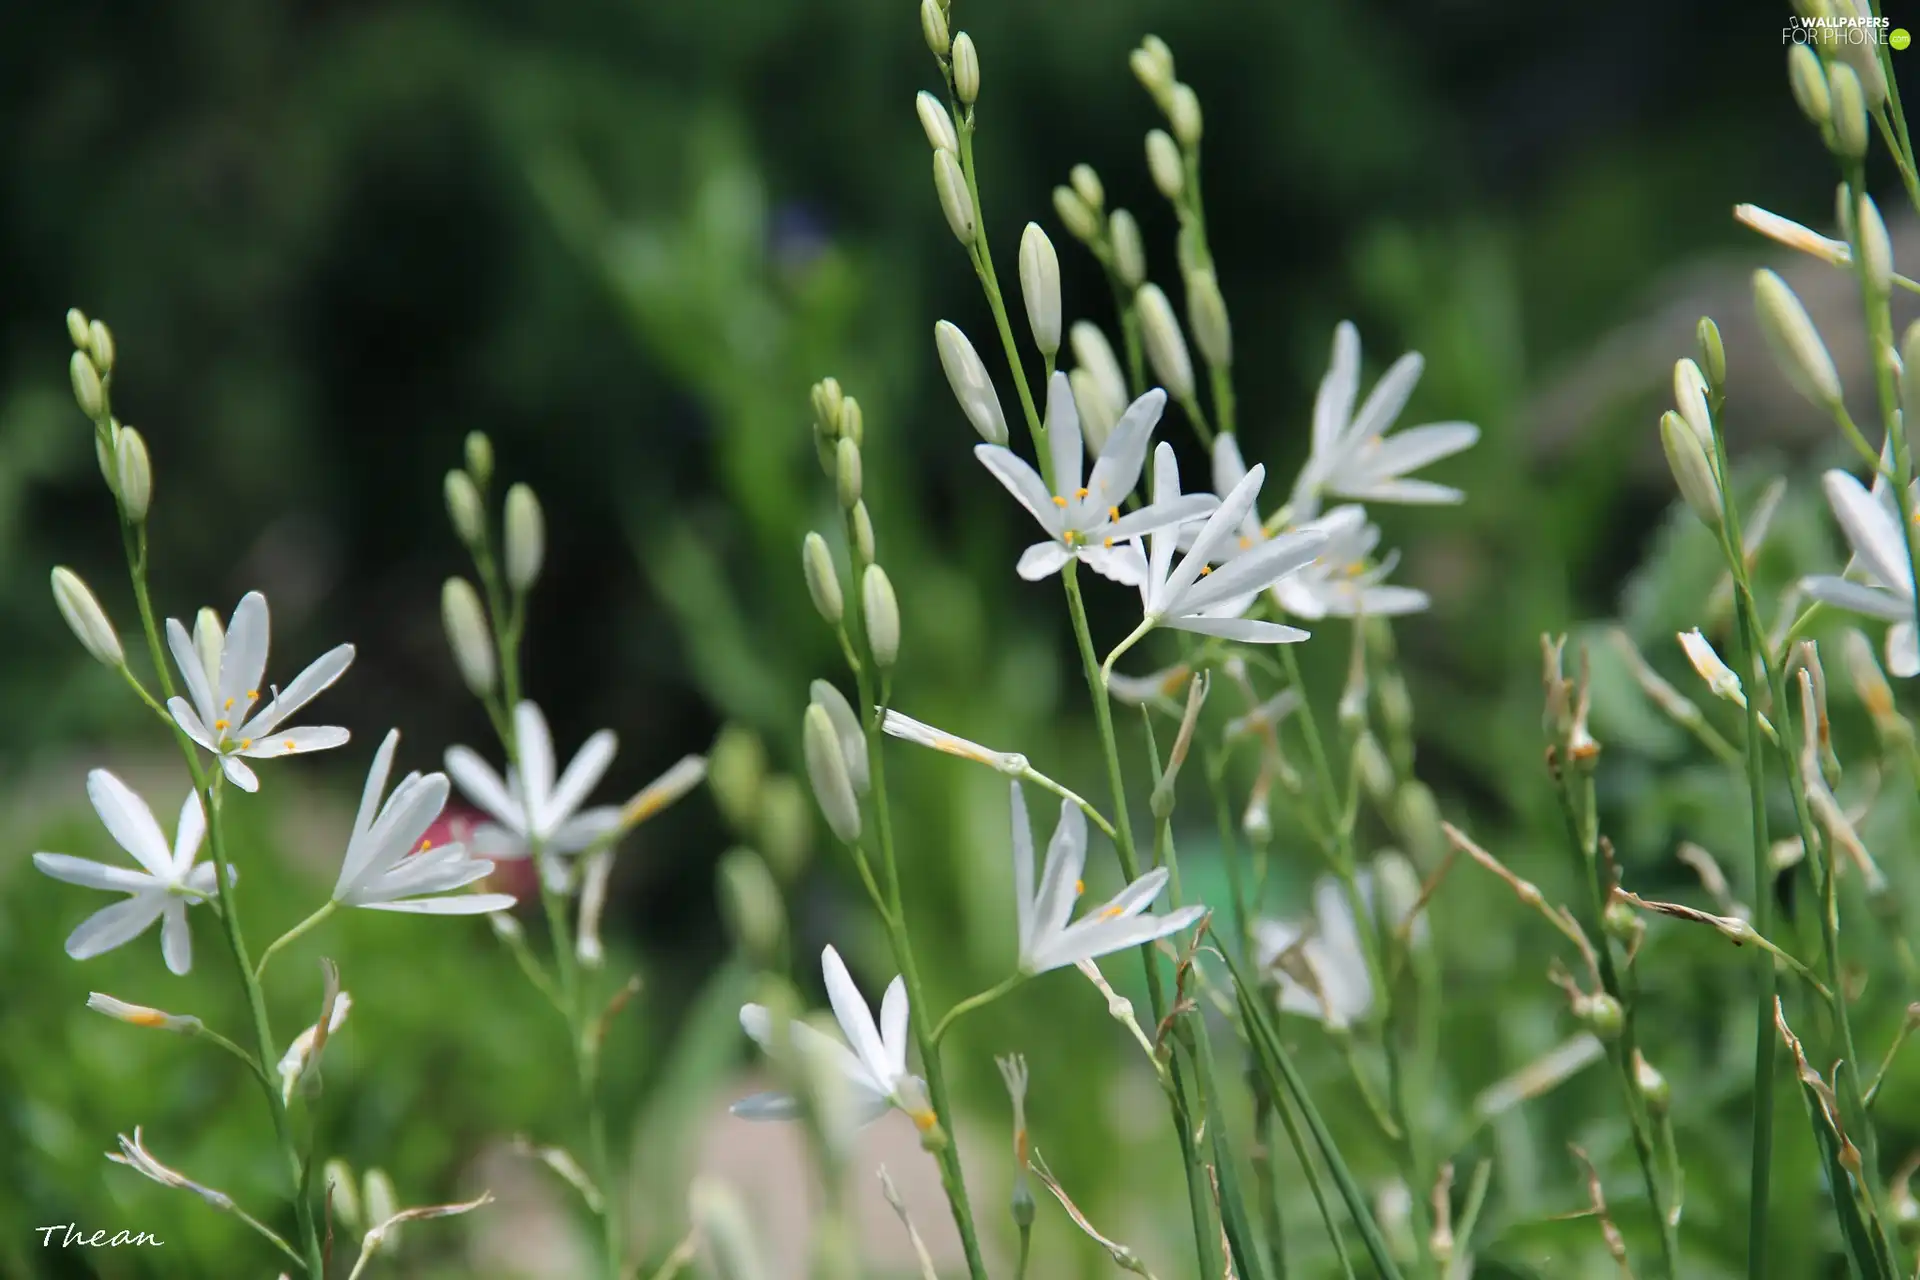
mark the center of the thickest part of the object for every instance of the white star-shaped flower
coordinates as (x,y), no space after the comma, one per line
(1871,523)
(875,1067)
(531,807)
(1083,521)
(387,866)
(1352,455)
(169,883)
(222,690)
(1340,582)
(1319,963)
(1192,595)
(1047,939)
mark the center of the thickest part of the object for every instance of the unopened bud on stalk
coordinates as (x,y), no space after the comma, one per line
(1876,250)
(1796,343)
(1164,164)
(933,25)
(1849,136)
(1809,83)
(479,453)
(1129,249)
(823,580)
(1097,417)
(1652,1085)
(1863,56)
(140,1015)
(1166,348)
(1376,771)
(1603,1016)
(525,537)
(1207,313)
(968,379)
(937,123)
(1623,924)
(1040,287)
(828,400)
(785,828)
(210,642)
(750,904)
(86,619)
(846,473)
(135,470)
(1087,185)
(736,772)
(853,421)
(1417,818)
(1690,397)
(87,391)
(955,202)
(78,328)
(1093,353)
(1152,65)
(342,1191)
(467,635)
(883,615)
(1713,353)
(863,548)
(966,69)
(1081,222)
(100,346)
(848,728)
(1183,112)
(381,1202)
(463,508)
(1692,471)
(827,771)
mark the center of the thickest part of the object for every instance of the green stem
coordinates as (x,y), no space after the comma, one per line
(291,935)
(973,1002)
(983,267)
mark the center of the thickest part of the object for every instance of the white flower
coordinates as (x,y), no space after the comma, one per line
(168,885)
(298,1058)
(1084,521)
(1707,665)
(530,807)
(895,725)
(1339,582)
(875,1067)
(1047,940)
(1192,596)
(1320,964)
(222,691)
(1871,522)
(1351,456)
(387,866)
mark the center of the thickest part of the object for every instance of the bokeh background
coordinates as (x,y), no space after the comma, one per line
(622,239)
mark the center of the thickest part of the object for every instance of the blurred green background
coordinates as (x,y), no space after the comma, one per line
(623,238)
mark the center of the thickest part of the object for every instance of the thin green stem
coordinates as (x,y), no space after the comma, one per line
(1085,806)
(982,257)
(1133,637)
(973,1002)
(292,935)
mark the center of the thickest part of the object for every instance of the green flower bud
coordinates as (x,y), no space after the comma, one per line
(79,328)
(1849,137)
(967,376)
(210,642)
(1603,1016)
(1152,65)
(100,346)
(381,1203)
(1087,185)
(1207,314)
(1622,923)
(1166,348)
(1713,353)
(1097,417)
(785,827)
(955,201)
(135,471)
(1183,113)
(1129,250)
(1652,1085)
(736,770)
(1875,249)
(1809,83)
(827,771)
(467,635)
(1169,171)
(343,1195)
(936,122)
(1040,288)
(479,451)
(86,619)
(862,523)
(1081,222)
(823,580)
(1692,472)
(933,26)
(1417,819)
(463,508)
(828,401)
(1796,343)
(882,614)
(846,473)
(750,905)
(966,69)
(88,392)
(848,729)
(525,538)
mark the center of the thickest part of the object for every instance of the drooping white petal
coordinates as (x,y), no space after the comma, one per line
(1024,483)
(130,823)
(116,925)
(239,774)
(767,1106)
(1245,630)
(1042,560)
(190,723)
(453,904)
(1122,564)
(176,938)
(1875,539)
(89,874)
(308,685)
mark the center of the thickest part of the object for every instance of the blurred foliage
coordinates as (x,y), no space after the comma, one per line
(623,239)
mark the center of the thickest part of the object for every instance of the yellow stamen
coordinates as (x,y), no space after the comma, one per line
(1079,493)
(1245,542)
(1068,537)
(1079,887)
(1112,913)
(924,1120)
(1205,569)
(229,705)
(1113,513)
(288,744)
(1059,501)
(222,725)
(1108,543)
(253,695)
(245,743)
(147,1018)
(424,846)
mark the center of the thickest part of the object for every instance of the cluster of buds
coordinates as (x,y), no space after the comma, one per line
(1687,430)
(960,67)
(769,810)
(523,544)
(121,450)
(838,430)
(835,746)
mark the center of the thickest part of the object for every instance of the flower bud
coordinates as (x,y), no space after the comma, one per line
(343,1195)
(1417,819)
(1081,222)
(1376,771)
(1713,353)
(525,537)
(1622,923)
(380,1203)
(863,549)
(846,473)
(1652,1085)
(467,635)
(479,451)
(135,470)
(1040,287)
(1093,353)
(955,201)
(1097,417)
(1207,313)
(1796,343)
(1863,56)
(1692,472)
(827,771)
(78,328)
(100,346)
(1690,397)
(1809,83)
(853,421)
(1087,185)
(87,391)
(736,770)
(937,123)
(750,905)
(1166,348)
(823,580)
(140,1015)
(1183,113)
(828,400)
(968,379)
(1603,1016)
(847,727)
(1876,250)
(785,828)
(1164,163)
(86,619)
(1129,250)
(1849,136)
(966,69)
(933,25)
(1152,65)
(463,508)
(882,614)
(210,642)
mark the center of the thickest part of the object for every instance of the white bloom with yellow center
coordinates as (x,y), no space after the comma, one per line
(1083,521)
(1047,939)
(1352,455)
(875,1066)
(225,676)
(1871,522)
(529,807)
(168,884)
(389,867)
(1340,582)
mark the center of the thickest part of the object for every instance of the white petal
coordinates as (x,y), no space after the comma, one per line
(1118,470)
(376,785)
(1856,597)
(293,742)
(1023,482)
(893,1027)
(1162,543)
(190,723)
(1391,602)
(176,938)
(1221,525)
(535,744)
(94,875)
(1042,560)
(188,834)
(767,1106)
(1410,450)
(1903,652)
(1124,564)
(243,659)
(306,686)
(855,1018)
(130,822)
(1245,630)
(1093,939)
(584,828)
(458,904)
(1388,398)
(480,784)
(1255,570)
(1063,436)
(239,774)
(1022,867)
(1333,405)
(1874,538)
(582,775)
(116,925)
(1229,468)
(1160,514)
(1411,493)
(1301,595)
(1060,876)
(758,1025)
(194,672)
